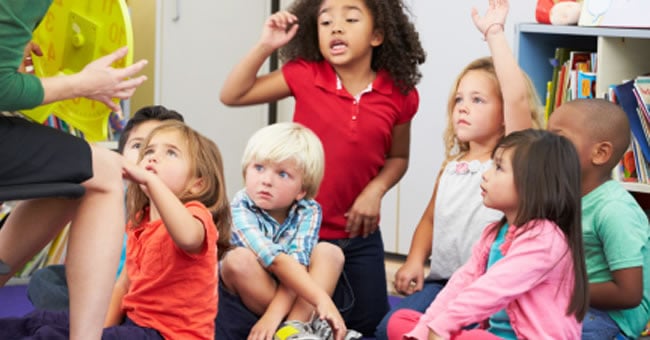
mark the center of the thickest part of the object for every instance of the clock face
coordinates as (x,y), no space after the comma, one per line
(72,34)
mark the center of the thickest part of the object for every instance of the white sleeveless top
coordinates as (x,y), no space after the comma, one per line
(459,216)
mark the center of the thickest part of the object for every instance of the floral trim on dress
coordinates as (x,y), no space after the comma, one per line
(463,167)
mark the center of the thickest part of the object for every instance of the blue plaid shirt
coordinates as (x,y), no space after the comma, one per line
(255,229)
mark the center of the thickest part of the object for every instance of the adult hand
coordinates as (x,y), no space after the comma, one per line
(26,66)
(101,82)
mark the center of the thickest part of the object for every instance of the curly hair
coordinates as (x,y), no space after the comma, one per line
(400,53)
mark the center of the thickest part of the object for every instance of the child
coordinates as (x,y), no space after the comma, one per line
(615,229)
(352,67)
(48,288)
(34,154)
(275,224)
(491,97)
(176,198)
(531,257)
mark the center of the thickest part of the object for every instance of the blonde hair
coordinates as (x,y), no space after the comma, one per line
(208,166)
(289,141)
(455,148)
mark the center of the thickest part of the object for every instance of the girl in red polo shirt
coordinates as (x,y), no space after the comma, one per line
(177,210)
(352,67)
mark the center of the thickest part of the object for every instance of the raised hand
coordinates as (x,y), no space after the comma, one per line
(279,29)
(494,16)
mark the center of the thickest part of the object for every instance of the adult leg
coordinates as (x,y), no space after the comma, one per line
(97,217)
(326,264)
(418,301)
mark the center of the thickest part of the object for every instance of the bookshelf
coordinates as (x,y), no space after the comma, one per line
(622,54)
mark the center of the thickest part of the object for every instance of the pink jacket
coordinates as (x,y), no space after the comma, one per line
(533,282)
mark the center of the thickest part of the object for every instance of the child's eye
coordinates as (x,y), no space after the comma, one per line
(136,146)
(325,22)
(477,100)
(172,153)
(457,100)
(283,174)
(352,20)
(148,151)
(258,167)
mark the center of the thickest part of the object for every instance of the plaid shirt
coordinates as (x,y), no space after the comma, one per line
(255,229)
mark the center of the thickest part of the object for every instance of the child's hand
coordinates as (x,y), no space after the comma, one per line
(494,16)
(279,29)
(363,217)
(327,311)
(264,329)
(409,278)
(136,174)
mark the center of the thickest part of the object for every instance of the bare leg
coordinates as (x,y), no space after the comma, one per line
(244,276)
(326,264)
(94,245)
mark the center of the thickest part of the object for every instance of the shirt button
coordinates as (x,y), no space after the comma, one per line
(354,117)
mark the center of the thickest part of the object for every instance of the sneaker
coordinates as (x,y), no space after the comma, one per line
(295,330)
(323,330)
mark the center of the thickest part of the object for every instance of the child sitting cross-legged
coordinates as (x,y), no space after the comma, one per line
(279,270)
(615,229)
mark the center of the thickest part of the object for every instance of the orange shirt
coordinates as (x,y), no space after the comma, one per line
(171,290)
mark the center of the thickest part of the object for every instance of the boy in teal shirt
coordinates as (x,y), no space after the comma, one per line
(616,233)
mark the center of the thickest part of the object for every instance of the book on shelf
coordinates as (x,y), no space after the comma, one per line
(558,60)
(642,86)
(638,124)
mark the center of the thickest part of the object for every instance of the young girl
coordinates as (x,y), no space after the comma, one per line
(490,97)
(177,209)
(526,278)
(352,67)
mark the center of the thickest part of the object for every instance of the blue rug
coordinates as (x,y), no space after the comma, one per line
(14,301)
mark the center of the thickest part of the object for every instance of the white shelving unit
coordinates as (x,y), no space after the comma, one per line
(622,55)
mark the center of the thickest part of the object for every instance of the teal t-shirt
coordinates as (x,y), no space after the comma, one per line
(18,19)
(616,236)
(499,322)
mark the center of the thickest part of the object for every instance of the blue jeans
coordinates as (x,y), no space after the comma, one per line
(418,301)
(365,272)
(598,325)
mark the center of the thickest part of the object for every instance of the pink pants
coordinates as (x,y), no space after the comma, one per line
(404,320)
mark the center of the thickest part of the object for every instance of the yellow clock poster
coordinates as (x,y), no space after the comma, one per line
(72,34)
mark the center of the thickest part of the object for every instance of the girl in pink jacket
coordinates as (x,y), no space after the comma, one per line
(526,278)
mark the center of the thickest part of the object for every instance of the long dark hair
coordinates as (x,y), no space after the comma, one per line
(547,179)
(400,54)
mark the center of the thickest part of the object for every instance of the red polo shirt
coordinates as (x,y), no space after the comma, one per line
(356,134)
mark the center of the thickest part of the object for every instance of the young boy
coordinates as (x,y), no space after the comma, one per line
(278,269)
(48,287)
(616,234)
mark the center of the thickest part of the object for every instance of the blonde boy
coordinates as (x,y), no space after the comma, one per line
(278,269)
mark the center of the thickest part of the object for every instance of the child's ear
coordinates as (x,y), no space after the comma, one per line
(196,185)
(377,38)
(602,152)
(301,195)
